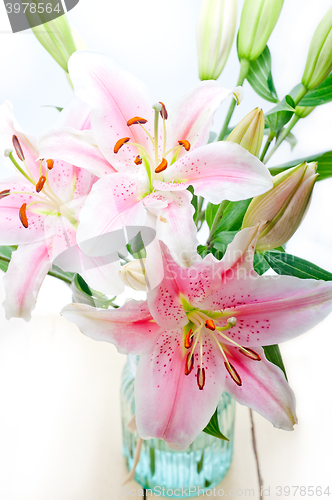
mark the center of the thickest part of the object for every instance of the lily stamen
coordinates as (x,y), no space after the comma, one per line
(4,193)
(188,341)
(185,144)
(162,166)
(120,143)
(189,364)
(40,183)
(233,373)
(18,148)
(137,120)
(200,378)
(23,215)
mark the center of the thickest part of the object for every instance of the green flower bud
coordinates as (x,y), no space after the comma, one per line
(258,20)
(319,60)
(57,38)
(282,209)
(133,274)
(249,132)
(215,33)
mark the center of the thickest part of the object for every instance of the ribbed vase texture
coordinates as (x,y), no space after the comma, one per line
(202,465)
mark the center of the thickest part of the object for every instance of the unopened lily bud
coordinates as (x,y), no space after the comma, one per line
(56,36)
(249,132)
(303,111)
(133,274)
(319,60)
(258,20)
(215,33)
(283,207)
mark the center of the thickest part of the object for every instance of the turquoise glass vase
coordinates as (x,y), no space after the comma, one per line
(176,473)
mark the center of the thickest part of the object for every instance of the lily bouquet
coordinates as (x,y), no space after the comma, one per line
(119,191)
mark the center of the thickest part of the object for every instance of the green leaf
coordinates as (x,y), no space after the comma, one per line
(278,116)
(212,137)
(56,272)
(273,354)
(50,106)
(210,213)
(233,216)
(213,429)
(260,77)
(324,161)
(82,285)
(290,265)
(260,264)
(318,96)
(223,239)
(83,294)
(5,256)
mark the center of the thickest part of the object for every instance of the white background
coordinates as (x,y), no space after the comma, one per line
(155,40)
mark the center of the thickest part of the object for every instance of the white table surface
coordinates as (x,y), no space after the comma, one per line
(60,430)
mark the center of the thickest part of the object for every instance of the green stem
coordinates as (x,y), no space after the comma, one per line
(267,145)
(218,216)
(20,169)
(50,272)
(283,136)
(199,209)
(244,68)
(301,93)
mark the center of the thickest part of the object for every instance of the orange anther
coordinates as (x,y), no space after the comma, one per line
(40,183)
(163,111)
(189,365)
(210,324)
(50,164)
(200,378)
(188,341)
(4,193)
(233,373)
(185,144)
(136,120)
(162,166)
(138,160)
(120,143)
(18,148)
(23,215)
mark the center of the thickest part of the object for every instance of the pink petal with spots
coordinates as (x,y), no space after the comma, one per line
(115,96)
(12,230)
(192,117)
(10,127)
(114,203)
(270,309)
(221,171)
(26,272)
(169,404)
(164,300)
(75,147)
(264,389)
(176,228)
(130,328)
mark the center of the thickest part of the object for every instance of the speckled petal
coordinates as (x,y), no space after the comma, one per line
(264,389)
(220,171)
(26,272)
(130,328)
(169,404)
(270,309)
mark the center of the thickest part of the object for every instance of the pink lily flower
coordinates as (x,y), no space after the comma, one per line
(200,333)
(155,157)
(39,211)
